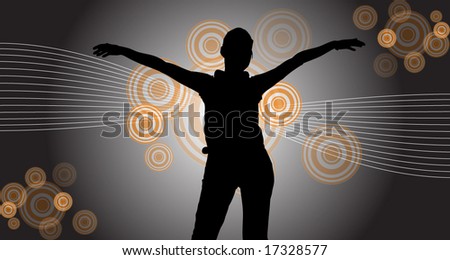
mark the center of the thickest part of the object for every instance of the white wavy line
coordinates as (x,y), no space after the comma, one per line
(291,127)
(60,93)
(59,79)
(63,67)
(389,165)
(54,99)
(46,58)
(97,61)
(336,104)
(61,86)
(63,73)
(49,105)
(378,96)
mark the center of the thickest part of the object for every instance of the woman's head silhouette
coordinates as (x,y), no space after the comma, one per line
(237,50)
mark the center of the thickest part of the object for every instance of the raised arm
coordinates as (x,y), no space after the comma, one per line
(193,80)
(270,78)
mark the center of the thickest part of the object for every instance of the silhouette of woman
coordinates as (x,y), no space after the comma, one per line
(235,146)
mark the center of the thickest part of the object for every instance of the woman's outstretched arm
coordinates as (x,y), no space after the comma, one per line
(193,80)
(270,78)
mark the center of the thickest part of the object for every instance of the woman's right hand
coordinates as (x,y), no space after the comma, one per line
(348,44)
(106,49)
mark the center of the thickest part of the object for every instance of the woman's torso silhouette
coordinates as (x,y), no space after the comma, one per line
(236,157)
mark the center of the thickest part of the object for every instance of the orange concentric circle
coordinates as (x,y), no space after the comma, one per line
(145,124)
(436,16)
(280,34)
(441,29)
(50,228)
(436,47)
(158,157)
(399,10)
(148,86)
(84,222)
(280,105)
(9,209)
(35,177)
(410,34)
(64,174)
(15,193)
(40,205)
(387,38)
(365,17)
(63,201)
(13,223)
(385,65)
(331,159)
(414,62)
(204,42)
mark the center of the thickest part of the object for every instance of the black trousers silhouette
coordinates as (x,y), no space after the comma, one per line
(249,169)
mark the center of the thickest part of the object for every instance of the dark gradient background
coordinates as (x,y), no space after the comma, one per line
(132,202)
